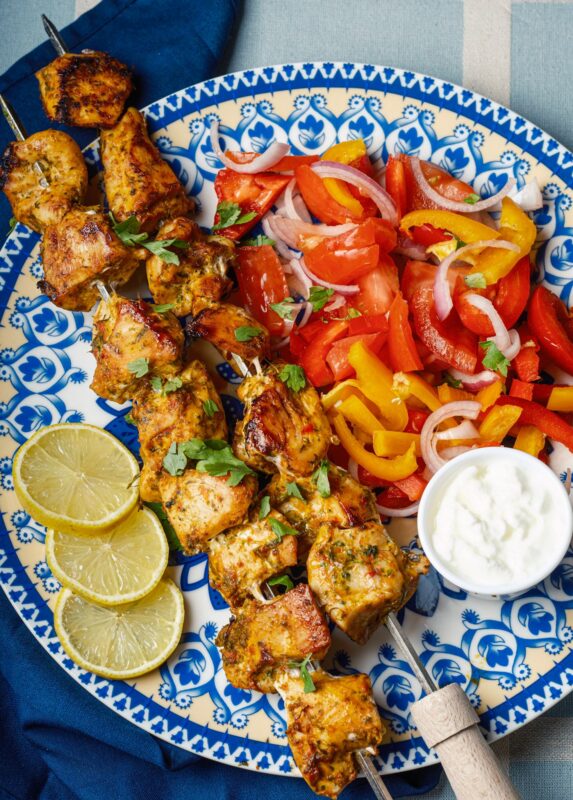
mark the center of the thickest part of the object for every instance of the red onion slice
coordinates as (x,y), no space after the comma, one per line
(501,336)
(344,172)
(451,452)
(301,276)
(408,511)
(529,198)
(265,161)
(465,430)
(460,408)
(337,301)
(453,205)
(281,247)
(294,204)
(442,293)
(290,230)
(411,249)
(338,287)
(474,382)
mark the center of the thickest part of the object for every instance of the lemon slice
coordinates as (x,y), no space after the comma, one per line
(75,477)
(124,641)
(118,565)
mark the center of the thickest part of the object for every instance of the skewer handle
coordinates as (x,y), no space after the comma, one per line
(449,724)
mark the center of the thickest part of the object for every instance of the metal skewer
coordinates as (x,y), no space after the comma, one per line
(54,36)
(19,132)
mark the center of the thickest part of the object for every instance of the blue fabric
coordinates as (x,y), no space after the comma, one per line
(57,742)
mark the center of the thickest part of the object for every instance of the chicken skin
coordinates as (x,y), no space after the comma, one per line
(325,727)
(264,637)
(164,415)
(221,323)
(129,341)
(243,558)
(281,430)
(138,182)
(88,90)
(80,249)
(35,202)
(359,575)
(200,276)
(348,504)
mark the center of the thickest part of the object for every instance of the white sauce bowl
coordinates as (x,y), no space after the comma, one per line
(451,553)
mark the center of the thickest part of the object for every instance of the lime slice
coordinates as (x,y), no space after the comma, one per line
(118,565)
(75,477)
(124,641)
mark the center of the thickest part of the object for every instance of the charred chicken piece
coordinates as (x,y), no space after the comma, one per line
(264,637)
(88,90)
(131,339)
(221,324)
(138,182)
(167,413)
(200,506)
(200,276)
(325,727)
(281,430)
(79,249)
(242,559)
(359,575)
(348,504)
(65,171)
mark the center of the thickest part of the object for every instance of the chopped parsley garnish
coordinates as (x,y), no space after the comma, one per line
(293,376)
(265,507)
(210,407)
(129,419)
(319,297)
(12,224)
(353,313)
(472,199)
(460,244)
(451,381)
(475,280)
(286,309)
(170,385)
(129,233)
(246,332)
(163,308)
(302,666)
(159,248)
(494,358)
(281,530)
(230,214)
(293,490)
(320,478)
(159,511)
(281,580)
(175,461)
(258,241)
(139,367)
(371,550)
(213,456)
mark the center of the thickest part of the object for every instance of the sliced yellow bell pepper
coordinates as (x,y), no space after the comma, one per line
(561,399)
(357,412)
(345,153)
(340,392)
(449,394)
(489,394)
(411,385)
(498,422)
(514,226)
(395,443)
(389,469)
(375,382)
(530,440)
(467,230)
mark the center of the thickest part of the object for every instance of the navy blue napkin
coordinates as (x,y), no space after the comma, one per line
(56,741)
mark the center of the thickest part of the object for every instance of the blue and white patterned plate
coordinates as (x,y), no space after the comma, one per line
(514,658)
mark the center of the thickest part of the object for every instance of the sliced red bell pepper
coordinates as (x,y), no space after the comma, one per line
(449,340)
(427,235)
(548,320)
(337,358)
(401,347)
(371,323)
(252,193)
(313,357)
(396,184)
(521,389)
(393,497)
(416,420)
(318,200)
(548,422)
(262,282)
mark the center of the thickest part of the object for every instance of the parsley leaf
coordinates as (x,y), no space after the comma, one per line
(170,385)
(258,241)
(265,507)
(319,296)
(353,313)
(475,280)
(156,384)
(451,381)
(139,367)
(302,666)
(175,461)
(280,529)
(293,376)
(472,199)
(12,224)
(129,419)
(320,478)
(159,511)
(494,358)
(213,456)
(246,332)
(210,407)
(460,244)
(286,309)
(230,214)
(163,307)
(281,580)
(159,248)
(128,231)
(293,490)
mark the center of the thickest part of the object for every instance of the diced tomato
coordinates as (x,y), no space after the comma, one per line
(521,389)
(447,339)
(371,231)
(416,420)
(372,323)
(422,273)
(318,200)
(342,266)
(337,358)
(364,165)
(427,235)
(549,322)
(393,497)
(401,347)
(313,357)
(413,486)
(377,288)
(444,183)
(262,282)
(253,193)
(396,184)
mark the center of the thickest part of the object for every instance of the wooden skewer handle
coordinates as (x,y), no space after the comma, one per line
(449,724)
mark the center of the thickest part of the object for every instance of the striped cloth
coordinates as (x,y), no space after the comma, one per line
(514,51)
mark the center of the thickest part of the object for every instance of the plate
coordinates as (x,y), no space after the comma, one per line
(514,658)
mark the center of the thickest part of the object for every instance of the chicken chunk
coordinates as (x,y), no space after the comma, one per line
(200,506)
(281,430)
(264,637)
(35,202)
(348,504)
(88,89)
(138,182)
(221,324)
(359,575)
(243,558)
(130,340)
(164,416)
(325,727)
(200,276)
(80,249)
